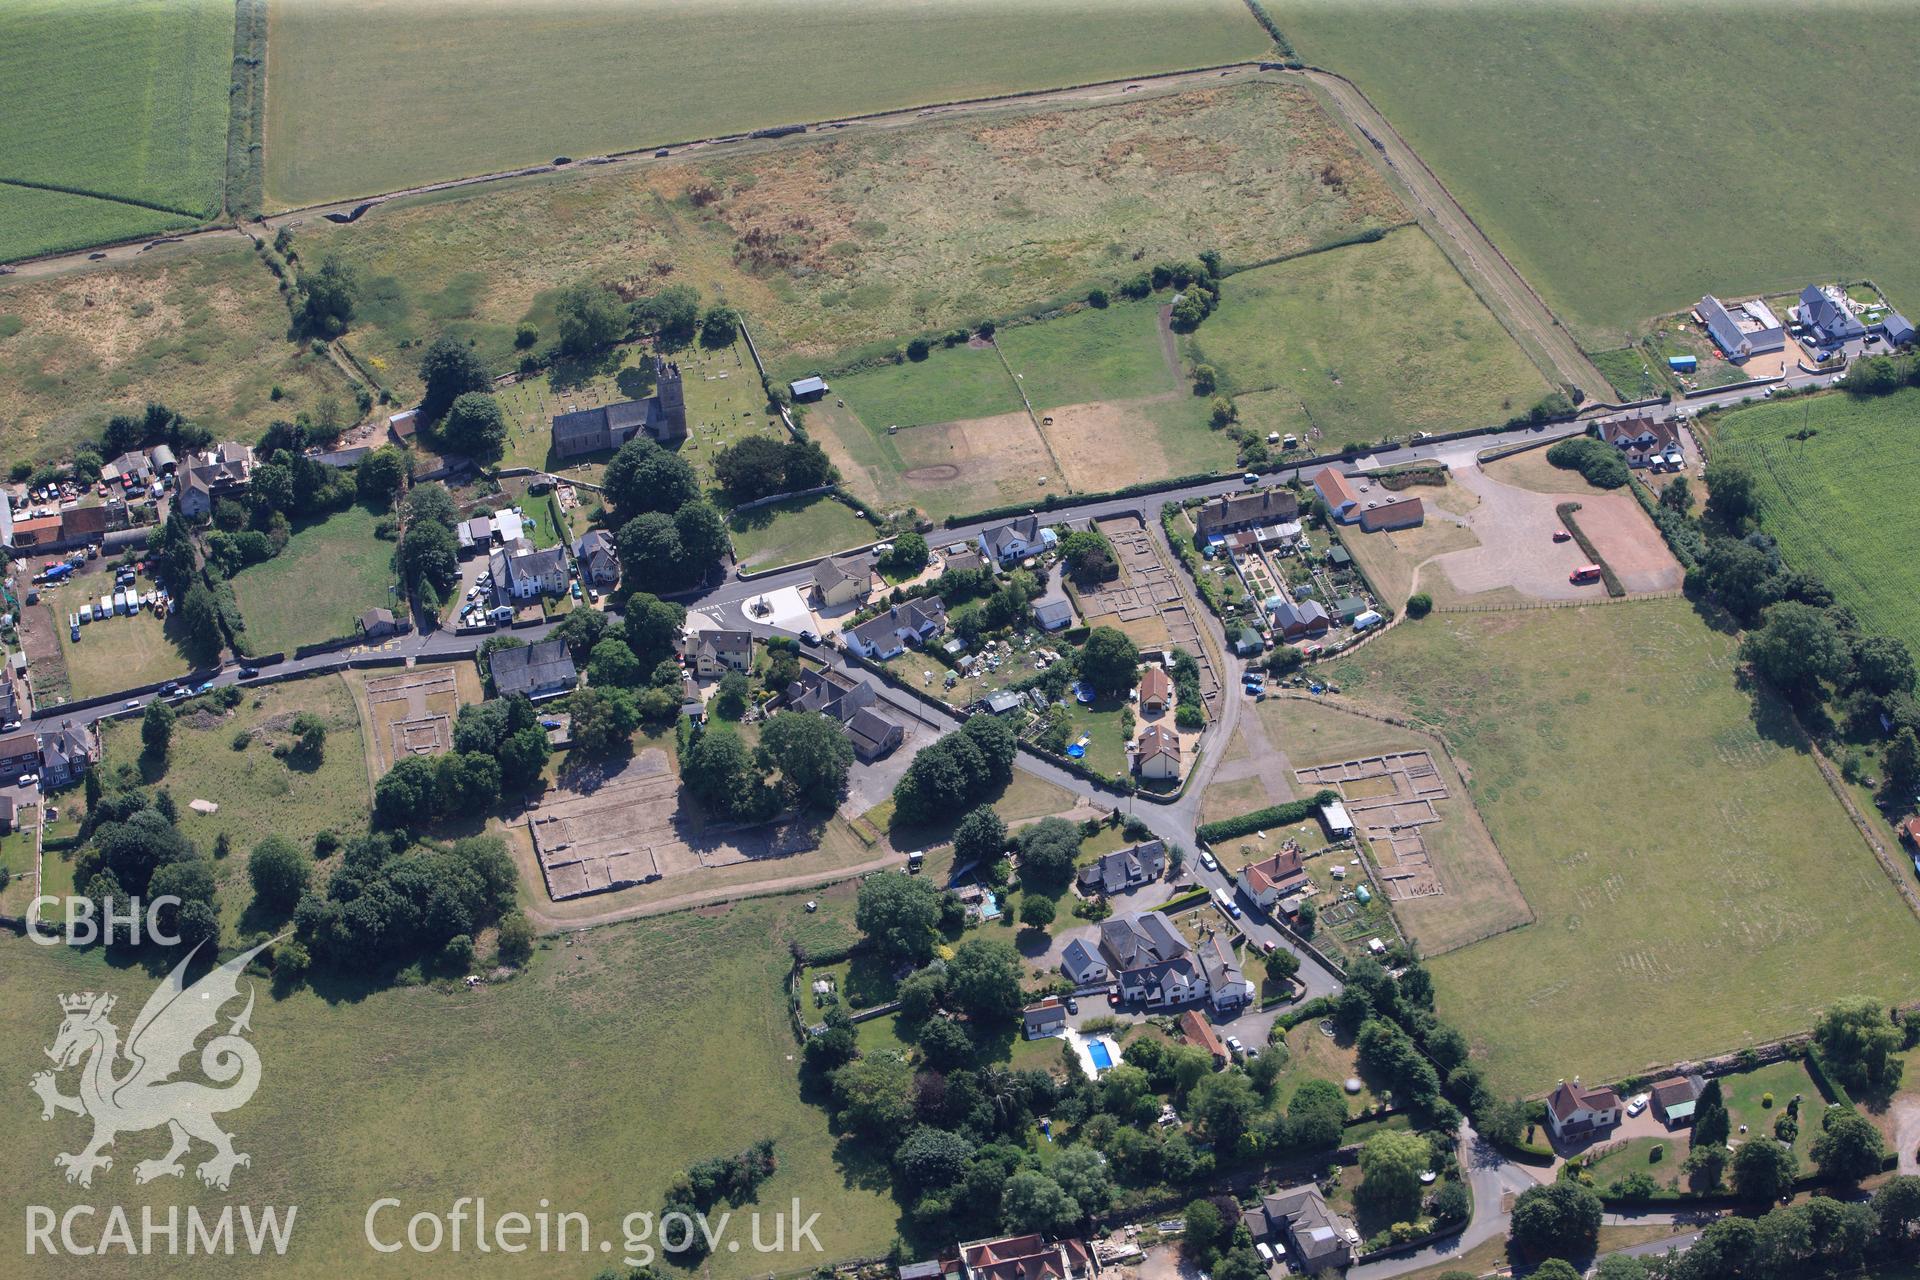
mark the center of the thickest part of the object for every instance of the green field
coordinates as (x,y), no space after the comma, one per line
(796,529)
(370,97)
(950,384)
(259,794)
(1630,158)
(315,589)
(1694,884)
(200,328)
(1824,497)
(113,98)
(536,1093)
(113,653)
(1362,342)
(1115,353)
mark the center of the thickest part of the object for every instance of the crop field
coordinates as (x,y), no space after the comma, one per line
(314,590)
(369,97)
(1708,887)
(1825,496)
(121,102)
(1648,203)
(259,792)
(199,328)
(833,244)
(1362,342)
(535,1094)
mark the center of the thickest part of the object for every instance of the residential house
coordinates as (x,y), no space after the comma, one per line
(1154,965)
(661,416)
(1337,492)
(872,734)
(889,634)
(218,473)
(1300,619)
(542,670)
(1028,1257)
(376,624)
(1299,1218)
(598,562)
(1048,1018)
(1274,878)
(842,698)
(1404,513)
(719,651)
(1738,342)
(1675,1098)
(1645,442)
(521,573)
(1156,691)
(1830,321)
(1084,965)
(1009,543)
(67,753)
(1576,1113)
(1198,1031)
(1227,987)
(9,698)
(1235,512)
(1156,753)
(19,755)
(1124,869)
(840,583)
(962,558)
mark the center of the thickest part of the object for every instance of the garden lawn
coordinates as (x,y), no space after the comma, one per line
(535,1094)
(1745,1096)
(1576,135)
(114,98)
(1647,866)
(796,529)
(314,590)
(1373,339)
(1826,497)
(199,327)
(259,793)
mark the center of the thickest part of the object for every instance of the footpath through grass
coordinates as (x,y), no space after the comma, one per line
(316,588)
(624,1054)
(1695,885)
(1829,472)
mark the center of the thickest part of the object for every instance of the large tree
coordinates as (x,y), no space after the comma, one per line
(1860,1044)
(1048,849)
(643,477)
(981,837)
(279,870)
(588,318)
(1797,649)
(1390,1166)
(450,368)
(653,627)
(475,426)
(1763,1169)
(900,915)
(1559,1219)
(429,553)
(603,720)
(812,753)
(983,979)
(1107,662)
(1849,1148)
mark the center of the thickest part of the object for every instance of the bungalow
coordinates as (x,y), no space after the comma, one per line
(1274,879)
(1828,318)
(1232,513)
(1300,620)
(598,562)
(1335,490)
(1576,1113)
(377,624)
(521,573)
(1156,753)
(1048,1018)
(851,702)
(1009,543)
(67,753)
(1300,1219)
(1737,342)
(543,670)
(1124,869)
(1674,1099)
(839,583)
(1644,441)
(1156,691)
(719,651)
(962,558)
(1405,513)
(1028,1257)
(1198,1031)
(889,634)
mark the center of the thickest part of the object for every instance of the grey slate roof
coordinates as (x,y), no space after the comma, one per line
(1124,868)
(1002,537)
(531,669)
(1135,942)
(1830,321)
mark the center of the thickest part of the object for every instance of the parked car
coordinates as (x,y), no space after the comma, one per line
(1250,478)
(205,686)
(1561,535)
(1637,1103)
(1208,861)
(1073,1006)
(248,673)
(131,704)
(809,637)
(1235,1047)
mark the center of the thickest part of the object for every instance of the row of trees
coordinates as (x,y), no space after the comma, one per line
(802,758)
(669,536)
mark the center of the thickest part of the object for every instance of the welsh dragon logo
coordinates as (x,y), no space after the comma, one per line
(132,1089)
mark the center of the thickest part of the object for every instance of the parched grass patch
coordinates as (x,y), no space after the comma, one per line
(1371,339)
(1658,819)
(199,327)
(1823,467)
(703,993)
(316,588)
(796,529)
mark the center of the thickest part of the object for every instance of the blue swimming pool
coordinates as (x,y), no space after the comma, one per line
(1102,1060)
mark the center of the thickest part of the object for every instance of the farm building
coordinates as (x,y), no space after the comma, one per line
(1760,334)
(1335,490)
(1404,514)
(662,416)
(808,388)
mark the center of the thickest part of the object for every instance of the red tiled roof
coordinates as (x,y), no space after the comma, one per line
(1569,1098)
(1155,686)
(1282,868)
(1334,488)
(1199,1031)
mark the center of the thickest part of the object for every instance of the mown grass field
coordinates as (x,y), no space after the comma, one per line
(113,98)
(1595,143)
(834,244)
(259,793)
(535,1096)
(1364,341)
(200,328)
(317,587)
(1695,885)
(1112,353)
(957,382)
(369,97)
(796,529)
(1825,497)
